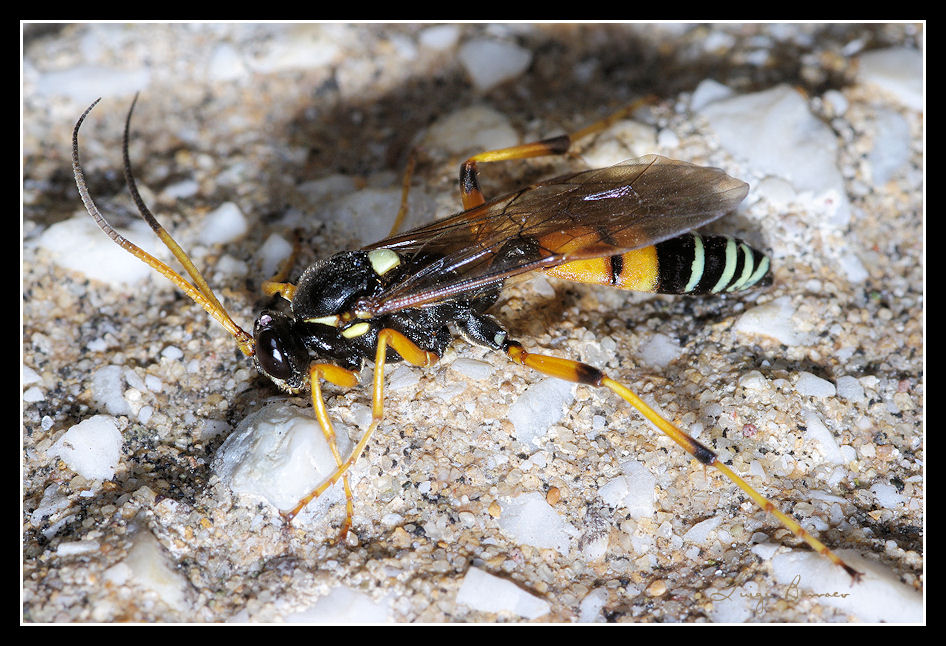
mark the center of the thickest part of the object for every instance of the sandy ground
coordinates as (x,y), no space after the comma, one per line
(446,452)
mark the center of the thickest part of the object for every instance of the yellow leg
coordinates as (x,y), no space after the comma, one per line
(470,192)
(405,189)
(277,284)
(286,290)
(412,354)
(346,379)
(609,120)
(583,373)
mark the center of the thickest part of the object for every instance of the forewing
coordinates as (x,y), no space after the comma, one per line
(588,214)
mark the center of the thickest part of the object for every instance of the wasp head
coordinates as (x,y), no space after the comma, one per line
(280,353)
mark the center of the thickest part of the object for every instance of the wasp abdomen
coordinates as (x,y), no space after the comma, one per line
(709,264)
(688,264)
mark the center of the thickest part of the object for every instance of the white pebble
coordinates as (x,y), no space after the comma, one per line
(891,151)
(51,503)
(92,448)
(29,376)
(327,188)
(178,190)
(490,62)
(625,139)
(542,286)
(659,350)
(701,531)
(153,384)
(779,192)
(809,385)
(79,245)
(775,131)
(72,548)
(707,92)
(474,128)
(838,102)
(594,547)
(734,604)
(225,63)
(224,224)
(589,610)
(212,428)
(145,413)
(529,519)
(898,71)
(850,388)
(488,593)
(634,492)
(150,567)
(305,49)
(108,390)
(342,604)
(887,496)
(540,406)
(879,596)
(667,139)
(171,352)
(816,430)
(402,376)
(773,320)
(848,453)
(756,470)
(369,211)
(753,380)
(227,265)
(439,37)
(279,454)
(392,520)
(473,368)
(274,250)
(854,270)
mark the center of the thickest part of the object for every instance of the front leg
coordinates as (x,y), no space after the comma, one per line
(346,379)
(411,353)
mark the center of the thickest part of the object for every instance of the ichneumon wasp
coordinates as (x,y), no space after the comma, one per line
(630,226)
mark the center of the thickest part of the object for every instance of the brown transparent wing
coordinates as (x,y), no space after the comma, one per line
(588,214)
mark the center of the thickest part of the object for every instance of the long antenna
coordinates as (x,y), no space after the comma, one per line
(199,290)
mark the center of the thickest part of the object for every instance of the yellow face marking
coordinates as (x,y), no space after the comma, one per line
(355,330)
(383,260)
(325,320)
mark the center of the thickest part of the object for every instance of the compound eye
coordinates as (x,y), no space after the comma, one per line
(272,359)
